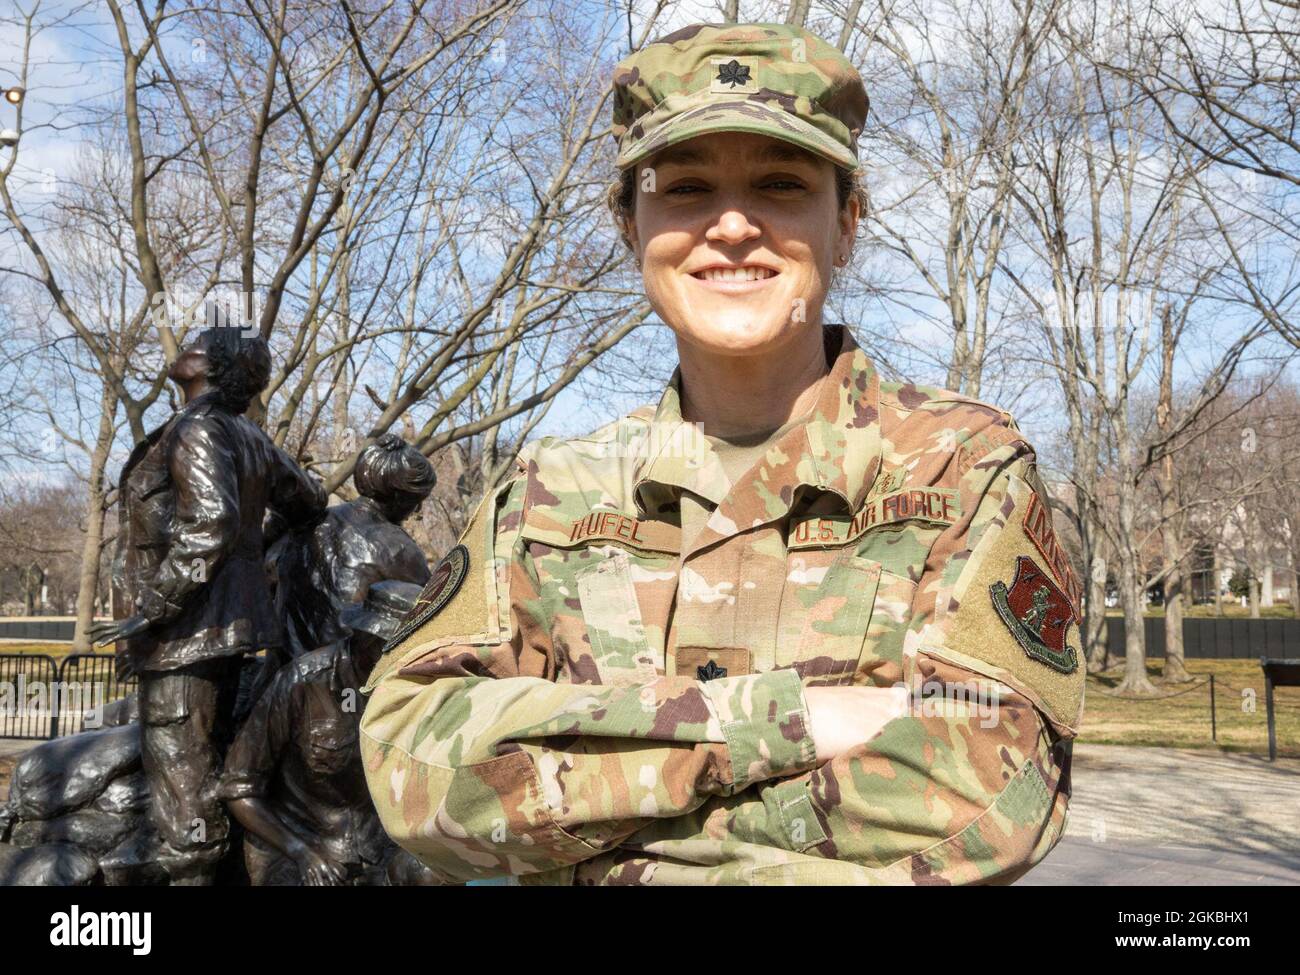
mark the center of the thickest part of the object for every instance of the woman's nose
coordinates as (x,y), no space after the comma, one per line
(732,226)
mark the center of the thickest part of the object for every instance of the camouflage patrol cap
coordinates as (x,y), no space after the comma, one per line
(771,79)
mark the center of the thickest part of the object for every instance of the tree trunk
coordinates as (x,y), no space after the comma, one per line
(1171,522)
(32,577)
(1218,584)
(1175,671)
(88,577)
(1130,594)
(1096,644)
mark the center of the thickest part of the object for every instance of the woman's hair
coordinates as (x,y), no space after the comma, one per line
(621,196)
(239,366)
(390,465)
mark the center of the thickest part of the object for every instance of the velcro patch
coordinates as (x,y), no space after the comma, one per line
(551,527)
(616,527)
(974,627)
(732,75)
(708,663)
(448,575)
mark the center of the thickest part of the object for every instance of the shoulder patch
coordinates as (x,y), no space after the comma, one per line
(1037,614)
(1038,526)
(443,584)
(462,600)
(1011,615)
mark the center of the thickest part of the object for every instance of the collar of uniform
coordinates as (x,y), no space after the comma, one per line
(836,452)
(844,429)
(842,442)
(676,457)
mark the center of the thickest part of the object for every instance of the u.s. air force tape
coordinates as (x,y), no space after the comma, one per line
(437,593)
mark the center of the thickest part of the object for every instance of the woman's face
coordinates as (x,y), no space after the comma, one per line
(737,236)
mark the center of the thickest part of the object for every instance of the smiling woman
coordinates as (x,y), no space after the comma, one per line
(792,623)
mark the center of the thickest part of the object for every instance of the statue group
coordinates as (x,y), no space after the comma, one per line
(251,614)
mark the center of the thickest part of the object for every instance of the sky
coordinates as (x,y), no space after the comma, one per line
(76,64)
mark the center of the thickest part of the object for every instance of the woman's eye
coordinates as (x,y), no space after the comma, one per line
(784,184)
(686,189)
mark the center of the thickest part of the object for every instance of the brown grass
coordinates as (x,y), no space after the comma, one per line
(56,650)
(1183,721)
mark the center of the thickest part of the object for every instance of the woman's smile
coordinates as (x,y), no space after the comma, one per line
(735,278)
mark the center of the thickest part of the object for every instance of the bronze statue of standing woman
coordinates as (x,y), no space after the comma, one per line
(189,572)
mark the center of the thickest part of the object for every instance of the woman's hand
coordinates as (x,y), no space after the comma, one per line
(316,868)
(105,632)
(844,717)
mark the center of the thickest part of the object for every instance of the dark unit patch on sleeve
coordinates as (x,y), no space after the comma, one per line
(1037,613)
(438,592)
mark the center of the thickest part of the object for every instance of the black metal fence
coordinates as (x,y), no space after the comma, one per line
(43,698)
(1227,639)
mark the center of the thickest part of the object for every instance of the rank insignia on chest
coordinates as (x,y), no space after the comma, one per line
(1038,614)
(448,575)
(710,671)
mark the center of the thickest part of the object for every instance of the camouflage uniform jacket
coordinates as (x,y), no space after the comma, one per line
(594,705)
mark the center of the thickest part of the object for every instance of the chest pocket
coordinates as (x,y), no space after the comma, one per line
(332,746)
(619,647)
(825,616)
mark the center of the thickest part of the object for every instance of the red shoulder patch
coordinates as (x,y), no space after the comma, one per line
(1037,613)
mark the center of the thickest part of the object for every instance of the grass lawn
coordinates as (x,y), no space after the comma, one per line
(1183,721)
(56,650)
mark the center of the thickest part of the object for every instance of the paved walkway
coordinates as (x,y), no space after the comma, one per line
(1172,816)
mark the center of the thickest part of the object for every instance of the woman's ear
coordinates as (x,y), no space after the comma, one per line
(849,216)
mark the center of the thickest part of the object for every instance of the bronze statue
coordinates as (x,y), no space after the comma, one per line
(294,778)
(189,566)
(322,569)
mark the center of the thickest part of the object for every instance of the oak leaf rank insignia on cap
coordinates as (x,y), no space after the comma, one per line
(733,73)
(770,79)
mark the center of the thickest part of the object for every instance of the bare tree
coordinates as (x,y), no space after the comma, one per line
(951,84)
(405,199)
(1224,78)
(1112,230)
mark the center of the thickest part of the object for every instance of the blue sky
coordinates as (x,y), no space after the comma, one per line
(76,63)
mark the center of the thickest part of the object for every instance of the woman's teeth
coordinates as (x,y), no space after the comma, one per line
(735,274)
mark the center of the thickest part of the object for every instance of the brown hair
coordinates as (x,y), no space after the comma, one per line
(621,196)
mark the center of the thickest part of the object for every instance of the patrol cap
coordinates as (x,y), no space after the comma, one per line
(386,605)
(772,79)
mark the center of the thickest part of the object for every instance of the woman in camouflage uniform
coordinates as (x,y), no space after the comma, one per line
(793,623)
